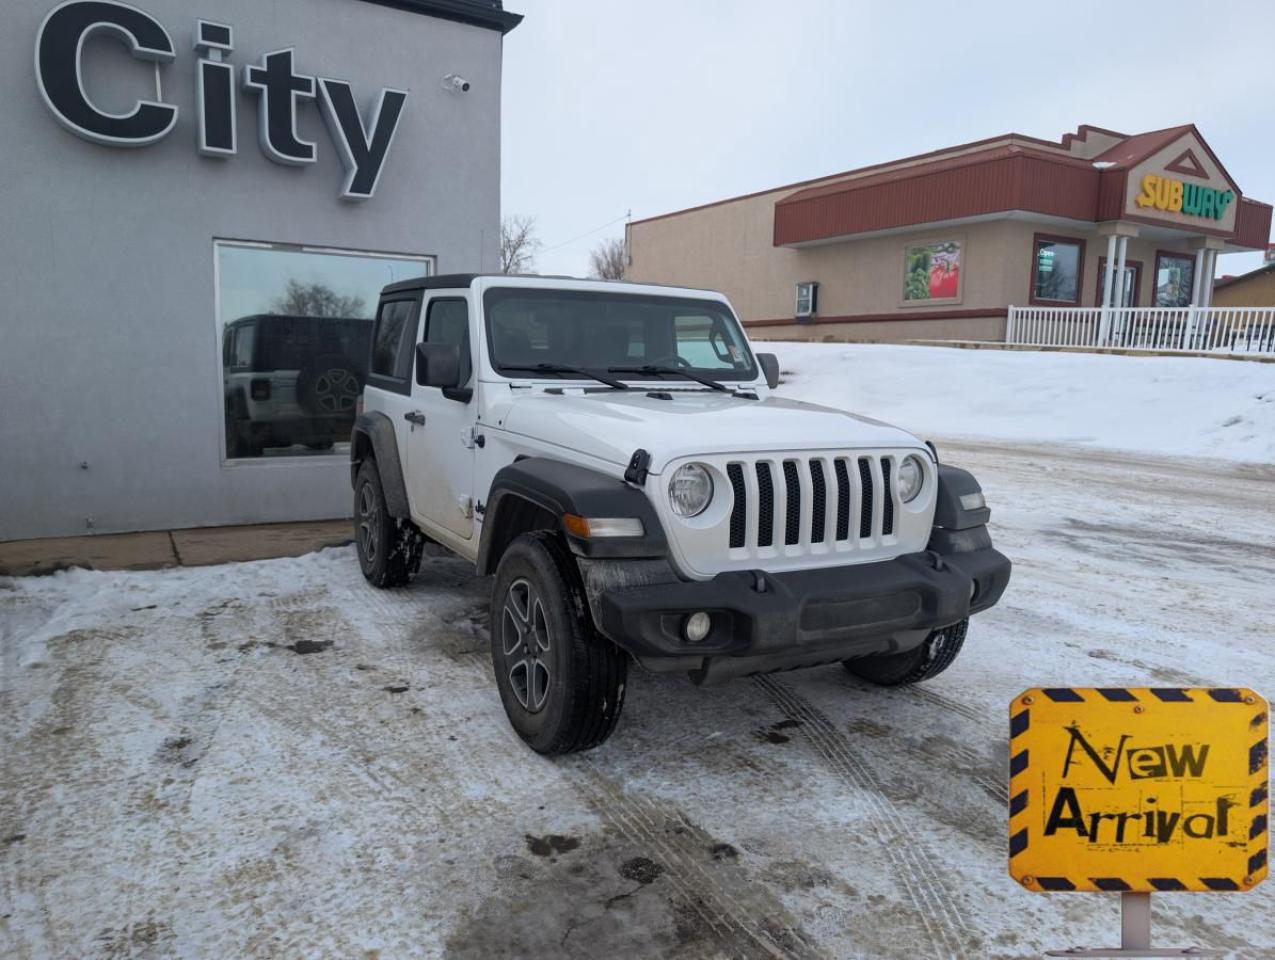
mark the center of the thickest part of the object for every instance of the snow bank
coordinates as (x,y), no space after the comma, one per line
(1173,406)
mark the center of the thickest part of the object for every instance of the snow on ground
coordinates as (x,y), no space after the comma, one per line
(275,760)
(1186,406)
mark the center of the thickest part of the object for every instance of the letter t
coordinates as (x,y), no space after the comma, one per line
(279,87)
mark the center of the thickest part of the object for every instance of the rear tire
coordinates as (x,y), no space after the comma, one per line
(389,548)
(912,666)
(560,681)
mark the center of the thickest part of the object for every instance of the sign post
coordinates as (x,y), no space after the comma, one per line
(1137,791)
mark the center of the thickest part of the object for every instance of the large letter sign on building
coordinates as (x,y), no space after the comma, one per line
(59,71)
(1138,790)
(280,88)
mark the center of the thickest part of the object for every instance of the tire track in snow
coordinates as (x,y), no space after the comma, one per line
(918,873)
(741,915)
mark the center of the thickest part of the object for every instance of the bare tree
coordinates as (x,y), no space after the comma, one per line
(302,299)
(518,244)
(607,261)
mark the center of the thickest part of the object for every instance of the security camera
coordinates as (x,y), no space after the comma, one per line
(454,83)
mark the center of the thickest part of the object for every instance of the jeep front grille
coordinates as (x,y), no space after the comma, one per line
(797,502)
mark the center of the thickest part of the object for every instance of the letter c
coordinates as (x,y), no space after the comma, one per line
(59,48)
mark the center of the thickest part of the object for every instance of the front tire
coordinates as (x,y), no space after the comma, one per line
(560,681)
(912,666)
(389,549)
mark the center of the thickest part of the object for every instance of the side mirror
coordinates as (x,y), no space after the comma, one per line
(438,365)
(770,368)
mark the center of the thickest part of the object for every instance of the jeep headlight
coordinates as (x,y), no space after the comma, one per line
(911,478)
(690,490)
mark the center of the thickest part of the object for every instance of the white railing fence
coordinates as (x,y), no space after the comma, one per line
(1208,329)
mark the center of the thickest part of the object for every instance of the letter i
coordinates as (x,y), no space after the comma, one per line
(215,89)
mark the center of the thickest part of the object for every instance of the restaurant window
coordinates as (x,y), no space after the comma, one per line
(1057,263)
(294,325)
(807,299)
(1174,279)
(1132,280)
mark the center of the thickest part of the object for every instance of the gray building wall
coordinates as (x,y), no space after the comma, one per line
(110,354)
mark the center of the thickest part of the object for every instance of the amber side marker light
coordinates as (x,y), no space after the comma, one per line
(593,528)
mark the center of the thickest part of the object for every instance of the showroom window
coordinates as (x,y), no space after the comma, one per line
(807,299)
(294,325)
(1174,280)
(1057,264)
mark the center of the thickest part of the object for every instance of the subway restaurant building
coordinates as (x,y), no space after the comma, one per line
(941,245)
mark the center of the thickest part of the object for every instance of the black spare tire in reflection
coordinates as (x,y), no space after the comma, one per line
(329,386)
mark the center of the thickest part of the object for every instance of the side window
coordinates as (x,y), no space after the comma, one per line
(243,346)
(392,340)
(448,322)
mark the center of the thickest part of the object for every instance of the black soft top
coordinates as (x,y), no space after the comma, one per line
(443,281)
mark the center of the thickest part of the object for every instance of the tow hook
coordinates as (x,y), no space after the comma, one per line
(936,560)
(759,582)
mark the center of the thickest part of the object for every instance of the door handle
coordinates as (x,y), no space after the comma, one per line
(416,418)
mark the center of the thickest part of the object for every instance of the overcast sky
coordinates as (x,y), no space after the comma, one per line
(655,105)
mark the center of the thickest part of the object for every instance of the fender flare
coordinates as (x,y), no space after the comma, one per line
(373,435)
(950,512)
(556,488)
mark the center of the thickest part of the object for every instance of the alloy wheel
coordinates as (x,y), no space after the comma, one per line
(369,523)
(336,390)
(525,642)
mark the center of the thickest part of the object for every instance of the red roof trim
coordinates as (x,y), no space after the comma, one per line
(990,182)
(1081,135)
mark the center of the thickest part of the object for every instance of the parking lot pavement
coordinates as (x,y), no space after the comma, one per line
(273,759)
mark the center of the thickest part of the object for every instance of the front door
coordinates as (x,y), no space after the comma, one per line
(1132,278)
(440,445)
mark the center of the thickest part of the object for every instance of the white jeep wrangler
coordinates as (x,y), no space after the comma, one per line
(613,453)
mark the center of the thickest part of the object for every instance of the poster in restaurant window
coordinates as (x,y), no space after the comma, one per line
(932,271)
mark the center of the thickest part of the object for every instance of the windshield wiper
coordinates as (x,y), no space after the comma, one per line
(658,370)
(561,368)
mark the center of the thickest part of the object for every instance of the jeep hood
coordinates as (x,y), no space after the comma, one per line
(610,425)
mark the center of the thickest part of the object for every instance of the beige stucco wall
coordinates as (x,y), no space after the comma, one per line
(1258,291)
(730,248)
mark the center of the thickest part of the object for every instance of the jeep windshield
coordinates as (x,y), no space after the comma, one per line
(629,336)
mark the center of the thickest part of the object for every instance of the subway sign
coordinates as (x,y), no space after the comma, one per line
(362,141)
(1176,196)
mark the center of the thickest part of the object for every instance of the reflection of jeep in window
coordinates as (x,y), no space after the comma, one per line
(615,456)
(292,380)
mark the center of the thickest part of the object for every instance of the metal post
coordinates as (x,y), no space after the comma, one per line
(1135,935)
(1135,921)
(1104,324)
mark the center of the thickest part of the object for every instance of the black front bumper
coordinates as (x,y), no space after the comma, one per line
(804,617)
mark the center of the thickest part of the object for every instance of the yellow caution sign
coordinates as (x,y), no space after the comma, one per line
(1131,790)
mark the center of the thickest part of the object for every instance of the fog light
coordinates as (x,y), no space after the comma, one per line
(697,626)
